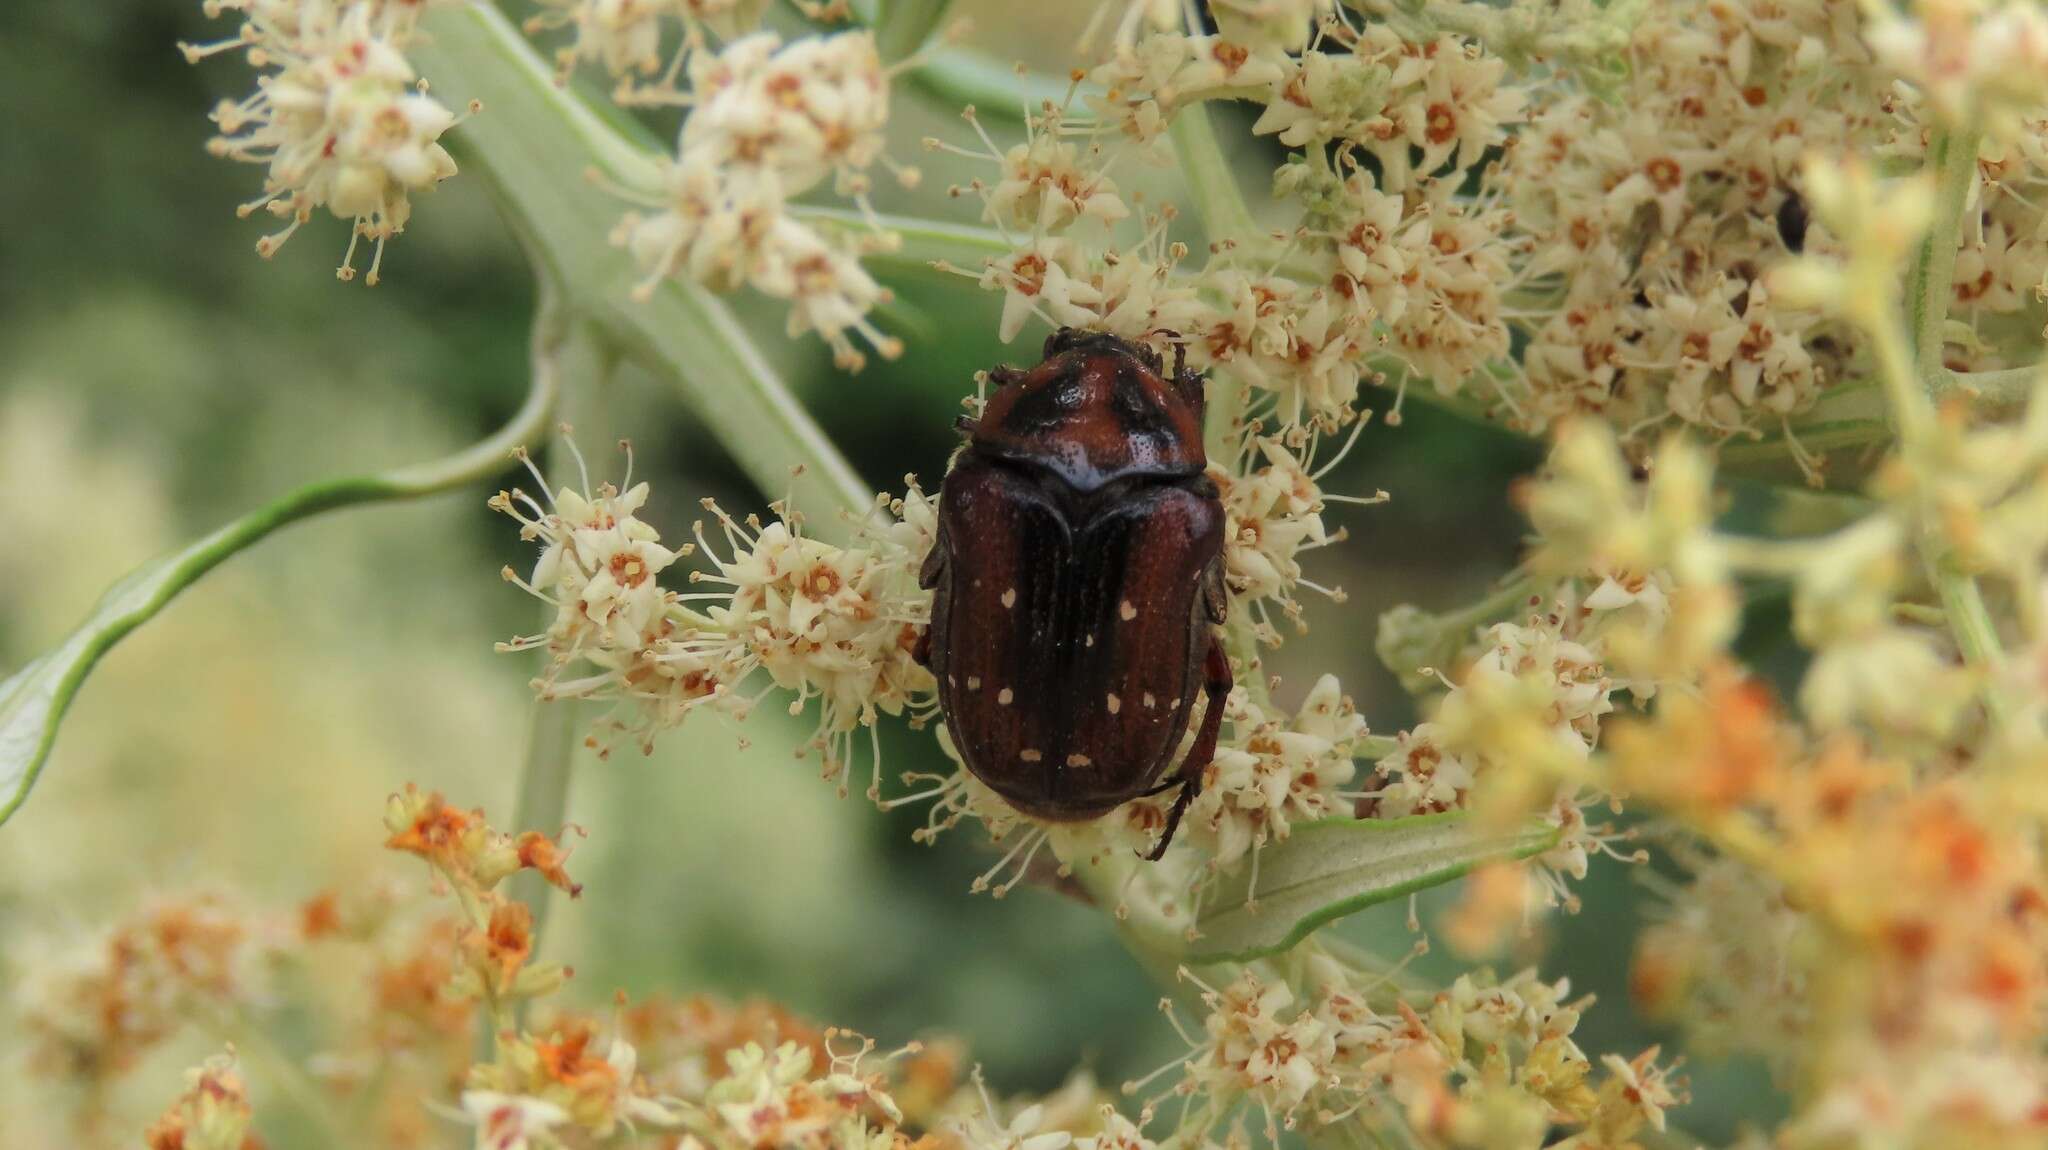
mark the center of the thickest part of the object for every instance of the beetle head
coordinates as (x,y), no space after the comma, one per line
(1097,408)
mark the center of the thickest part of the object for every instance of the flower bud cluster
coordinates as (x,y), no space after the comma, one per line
(496,943)
(213,1114)
(339,119)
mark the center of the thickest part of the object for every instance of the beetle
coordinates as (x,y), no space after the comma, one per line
(1077,584)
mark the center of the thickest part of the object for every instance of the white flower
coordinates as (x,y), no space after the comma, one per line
(1118,1133)
(1306,345)
(1143,85)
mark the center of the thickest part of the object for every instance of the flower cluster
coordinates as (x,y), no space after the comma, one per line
(1274,771)
(97,1007)
(1919,905)
(767,123)
(1273,513)
(626,36)
(1616,232)
(339,119)
(392,1002)
(823,621)
(1485,1062)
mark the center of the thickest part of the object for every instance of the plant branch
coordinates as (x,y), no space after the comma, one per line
(578,357)
(530,136)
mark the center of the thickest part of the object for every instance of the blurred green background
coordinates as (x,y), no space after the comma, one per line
(157,378)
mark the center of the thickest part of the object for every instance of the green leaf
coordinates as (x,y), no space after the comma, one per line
(33,700)
(1335,867)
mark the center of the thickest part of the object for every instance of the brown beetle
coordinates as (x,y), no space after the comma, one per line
(1077,584)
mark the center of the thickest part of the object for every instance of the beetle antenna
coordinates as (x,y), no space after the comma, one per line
(966,424)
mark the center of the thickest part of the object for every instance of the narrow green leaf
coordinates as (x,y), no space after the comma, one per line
(33,700)
(1335,867)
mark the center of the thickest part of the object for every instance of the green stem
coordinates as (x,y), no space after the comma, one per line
(1953,158)
(1373,748)
(956,76)
(1411,638)
(1817,438)
(925,242)
(1909,383)
(579,358)
(1157,943)
(1212,185)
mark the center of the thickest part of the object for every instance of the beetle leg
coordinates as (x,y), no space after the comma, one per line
(1216,685)
(934,561)
(1216,596)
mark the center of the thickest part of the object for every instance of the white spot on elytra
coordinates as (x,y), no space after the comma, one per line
(974,682)
(1088,640)
(1078,760)
(1004,696)
(1029,755)
(1115,704)
(1010,598)
(1126,612)
(1150,701)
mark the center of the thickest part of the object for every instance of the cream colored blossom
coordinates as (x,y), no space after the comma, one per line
(1258,1042)
(338,119)
(1270,773)
(768,122)
(626,37)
